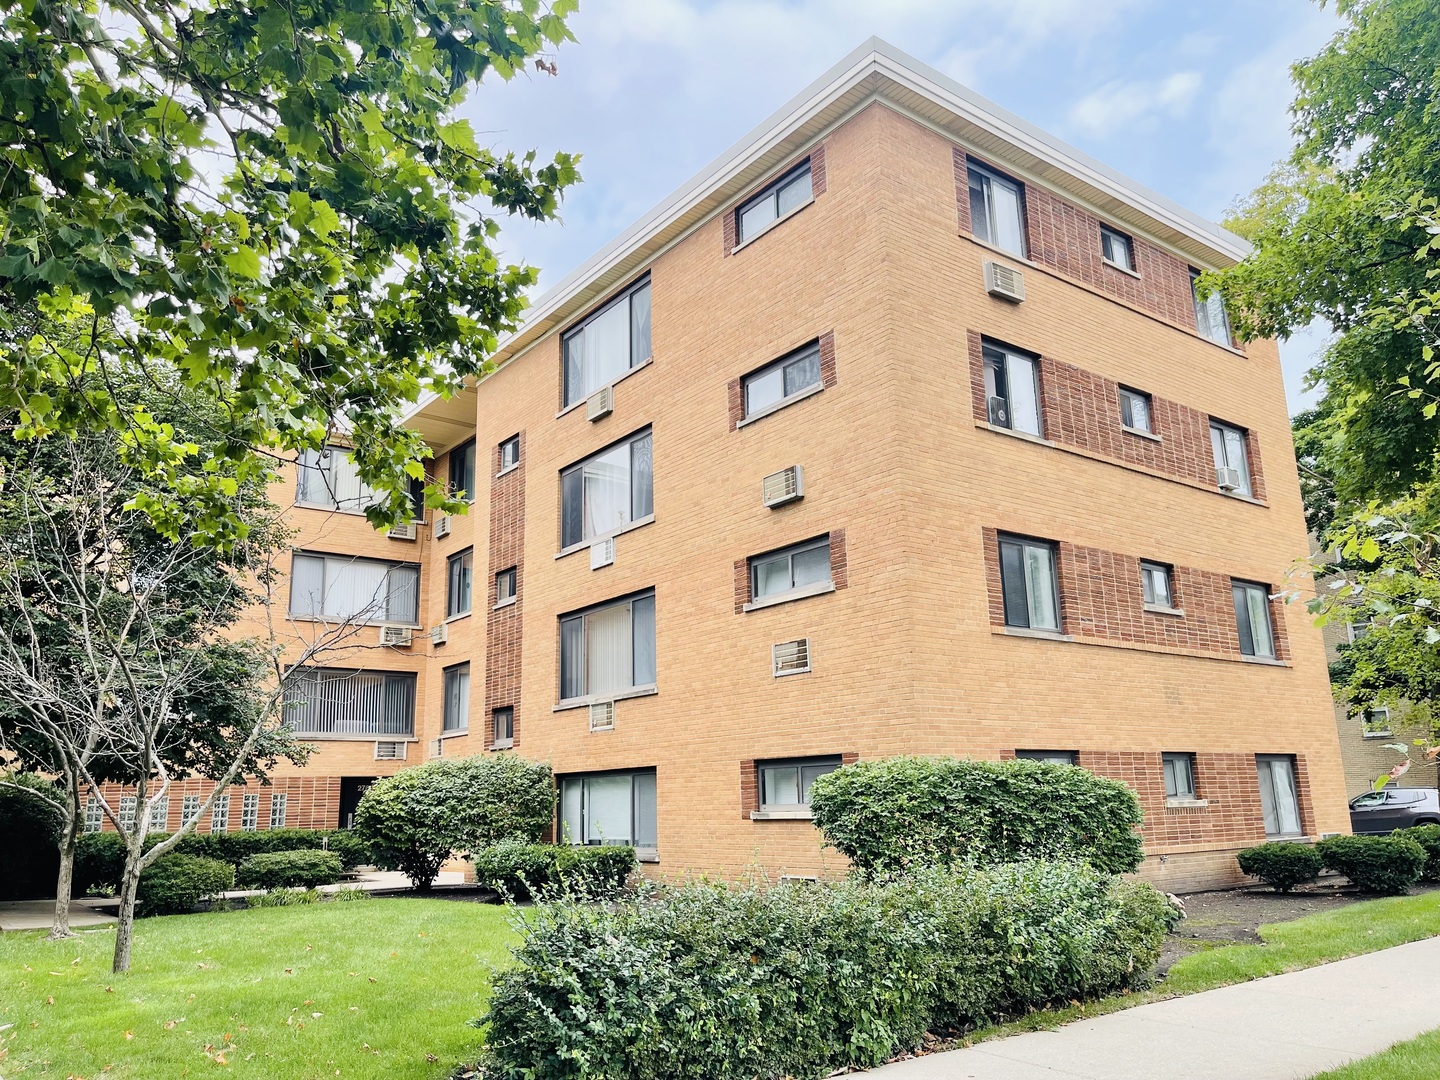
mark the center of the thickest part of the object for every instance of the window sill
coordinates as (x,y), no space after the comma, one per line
(1160,609)
(324,509)
(454,734)
(799,813)
(1007,254)
(1291,838)
(820,588)
(1241,498)
(509,601)
(1377,735)
(1122,269)
(1141,434)
(458,616)
(1172,803)
(508,744)
(1023,631)
(619,695)
(580,404)
(585,545)
(809,391)
(1024,436)
(646,856)
(1266,661)
(377,623)
(774,224)
(507,470)
(327,737)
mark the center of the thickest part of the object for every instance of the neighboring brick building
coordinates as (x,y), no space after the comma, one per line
(1005,531)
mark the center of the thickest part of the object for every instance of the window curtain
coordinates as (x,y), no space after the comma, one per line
(646,817)
(642,478)
(608,820)
(796,193)
(640,325)
(802,372)
(642,617)
(1259,604)
(1012,582)
(1040,585)
(572,658)
(457,699)
(572,811)
(606,341)
(609,650)
(307,586)
(354,589)
(1005,204)
(1024,403)
(402,599)
(810,567)
(1235,456)
(607,491)
(572,507)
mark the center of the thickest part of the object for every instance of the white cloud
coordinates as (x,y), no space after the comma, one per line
(1134,105)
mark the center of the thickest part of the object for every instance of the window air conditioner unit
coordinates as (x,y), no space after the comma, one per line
(602,553)
(442,526)
(390,751)
(439,634)
(402,532)
(602,716)
(1005,282)
(785,486)
(1228,479)
(790,657)
(600,404)
(395,634)
(998,410)
(437,748)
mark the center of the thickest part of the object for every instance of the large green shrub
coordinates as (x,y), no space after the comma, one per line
(174,884)
(289,869)
(1428,837)
(895,814)
(712,983)
(29,837)
(1281,866)
(418,818)
(519,870)
(1388,865)
(99,862)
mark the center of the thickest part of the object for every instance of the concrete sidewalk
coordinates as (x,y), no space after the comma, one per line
(1286,1027)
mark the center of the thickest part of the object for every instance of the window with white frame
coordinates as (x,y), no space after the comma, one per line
(1252,619)
(1135,410)
(1232,462)
(328,479)
(462,471)
(775,203)
(801,567)
(249,813)
(610,808)
(1029,583)
(128,804)
(159,815)
(1179,775)
(456,708)
(790,376)
(785,785)
(1211,321)
(608,649)
(503,728)
(1116,249)
(1156,586)
(510,452)
(343,701)
(94,815)
(341,588)
(607,491)
(997,214)
(278,802)
(1375,722)
(1012,389)
(1052,757)
(1279,800)
(608,343)
(220,814)
(189,808)
(459,580)
(505,586)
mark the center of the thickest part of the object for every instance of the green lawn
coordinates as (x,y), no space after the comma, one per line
(372,988)
(1418,1059)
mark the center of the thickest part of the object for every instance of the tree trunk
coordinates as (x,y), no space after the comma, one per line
(125,928)
(65,881)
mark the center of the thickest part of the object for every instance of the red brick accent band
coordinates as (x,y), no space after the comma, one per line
(736,392)
(504,627)
(311,802)
(828,376)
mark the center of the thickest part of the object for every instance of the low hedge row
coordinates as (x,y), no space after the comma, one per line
(518,870)
(1387,865)
(799,980)
(1428,837)
(289,870)
(173,884)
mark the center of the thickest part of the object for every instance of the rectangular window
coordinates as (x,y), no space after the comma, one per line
(462,471)
(1375,723)
(340,588)
(787,377)
(94,815)
(1210,319)
(1278,799)
(328,479)
(249,813)
(503,728)
(190,808)
(457,698)
(608,649)
(1179,775)
(1232,463)
(804,566)
(1155,584)
(1115,248)
(997,214)
(607,491)
(220,814)
(278,801)
(1252,618)
(1029,583)
(1012,390)
(608,344)
(778,201)
(785,785)
(339,701)
(1054,757)
(510,452)
(609,808)
(159,815)
(459,580)
(505,586)
(127,812)
(1135,410)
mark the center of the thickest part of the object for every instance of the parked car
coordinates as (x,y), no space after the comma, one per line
(1393,808)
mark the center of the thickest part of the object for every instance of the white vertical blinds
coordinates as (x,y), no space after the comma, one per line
(333,701)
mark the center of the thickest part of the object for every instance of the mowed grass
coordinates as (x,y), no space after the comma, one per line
(371,988)
(1418,1059)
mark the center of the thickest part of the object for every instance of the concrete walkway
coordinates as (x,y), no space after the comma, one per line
(1286,1027)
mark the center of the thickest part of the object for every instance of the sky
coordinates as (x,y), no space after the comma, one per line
(1190,99)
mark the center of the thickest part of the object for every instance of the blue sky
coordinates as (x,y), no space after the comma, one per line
(1190,99)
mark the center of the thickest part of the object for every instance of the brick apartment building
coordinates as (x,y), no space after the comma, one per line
(900,429)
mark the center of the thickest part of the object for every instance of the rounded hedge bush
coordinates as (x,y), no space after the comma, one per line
(1281,866)
(1428,837)
(518,870)
(1388,865)
(174,884)
(895,814)
(289,869)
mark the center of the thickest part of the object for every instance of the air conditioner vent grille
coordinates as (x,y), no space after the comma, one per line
(442,526)
(600,404)
(440,634)
(783,487)
(602,716)
(602,553)
(390,751)
(790,657)
(1004,282)
(1228,479)
(394,634)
